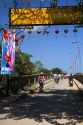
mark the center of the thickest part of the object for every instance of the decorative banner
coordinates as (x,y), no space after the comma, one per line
(46,16)
(8,52)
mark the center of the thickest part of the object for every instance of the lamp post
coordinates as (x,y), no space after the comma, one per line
(71,67)
(78,57)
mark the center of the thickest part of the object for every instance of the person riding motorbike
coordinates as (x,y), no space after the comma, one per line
(41,81)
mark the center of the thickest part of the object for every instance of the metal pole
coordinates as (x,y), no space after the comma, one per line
(53,3)
(79,59)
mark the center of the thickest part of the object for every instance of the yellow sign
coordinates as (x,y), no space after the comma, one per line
(47,16)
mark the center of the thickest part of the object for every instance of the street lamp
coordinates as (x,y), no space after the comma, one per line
(73,68)
(77,56)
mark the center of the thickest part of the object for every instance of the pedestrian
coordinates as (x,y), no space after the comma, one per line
(70,77)
(41,80)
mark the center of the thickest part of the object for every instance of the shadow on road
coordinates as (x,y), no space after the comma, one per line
(51,106)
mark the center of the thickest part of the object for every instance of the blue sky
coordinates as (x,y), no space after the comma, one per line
(51,51)
(54,52)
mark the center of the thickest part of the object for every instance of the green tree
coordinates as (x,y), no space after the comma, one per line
(38,66)
(23,65)
(45,71)
(57,70)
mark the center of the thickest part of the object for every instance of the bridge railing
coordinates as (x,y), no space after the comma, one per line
(79,77)
(16,83)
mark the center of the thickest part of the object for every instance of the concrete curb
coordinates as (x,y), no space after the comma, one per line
(79,85)
(32,90)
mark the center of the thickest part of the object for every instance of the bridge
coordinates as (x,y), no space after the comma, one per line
(59,104)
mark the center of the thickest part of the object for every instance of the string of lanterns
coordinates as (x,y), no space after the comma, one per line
(39,31)
(18,41)
(21,37)
(47,31)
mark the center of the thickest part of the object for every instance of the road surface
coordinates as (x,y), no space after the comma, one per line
(59,104)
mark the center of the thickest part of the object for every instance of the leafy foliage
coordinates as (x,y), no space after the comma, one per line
(23,65)
(38,65)
(57,70)
(45,71)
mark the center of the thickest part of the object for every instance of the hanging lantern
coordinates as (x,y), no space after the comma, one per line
(22,36)
(38,31)
(47,31)
(56,31)
(5,34)
(29,31)
(66,31)
(16,41)
(75,31)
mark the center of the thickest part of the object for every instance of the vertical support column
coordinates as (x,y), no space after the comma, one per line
(7,85)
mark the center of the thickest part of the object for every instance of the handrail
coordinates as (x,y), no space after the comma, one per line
(76,84)
(79,85)
(16,83)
